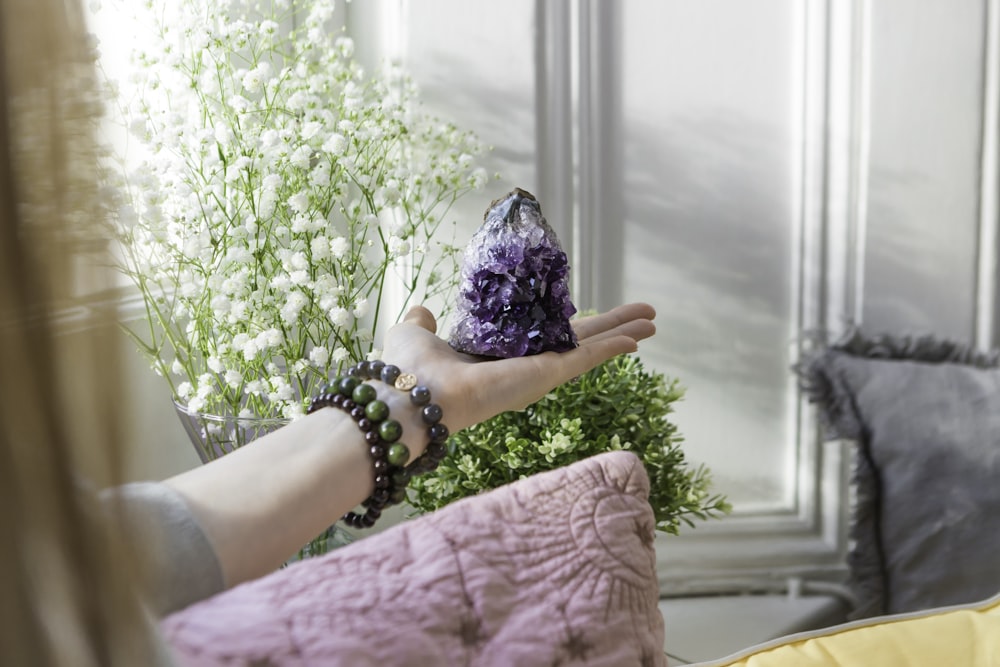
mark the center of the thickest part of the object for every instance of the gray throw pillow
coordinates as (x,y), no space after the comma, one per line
(925,413)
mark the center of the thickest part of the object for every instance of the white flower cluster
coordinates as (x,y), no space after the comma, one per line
(284,189)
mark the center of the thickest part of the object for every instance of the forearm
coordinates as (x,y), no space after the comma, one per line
(259,504)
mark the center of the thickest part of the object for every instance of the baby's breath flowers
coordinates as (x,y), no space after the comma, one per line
(285,193)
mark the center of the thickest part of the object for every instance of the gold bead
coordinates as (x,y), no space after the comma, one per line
(406,381)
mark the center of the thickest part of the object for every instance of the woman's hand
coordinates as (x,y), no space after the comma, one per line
(260,503)
(472,389)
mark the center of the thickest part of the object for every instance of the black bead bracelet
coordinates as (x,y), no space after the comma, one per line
(391,467)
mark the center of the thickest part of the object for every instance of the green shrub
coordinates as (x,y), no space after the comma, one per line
(618,405)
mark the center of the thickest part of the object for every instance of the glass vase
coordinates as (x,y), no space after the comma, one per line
(214,436)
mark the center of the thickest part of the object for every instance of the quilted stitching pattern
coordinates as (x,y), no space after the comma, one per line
(556,569)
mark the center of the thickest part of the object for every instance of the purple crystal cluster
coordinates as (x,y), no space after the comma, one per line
(514,293)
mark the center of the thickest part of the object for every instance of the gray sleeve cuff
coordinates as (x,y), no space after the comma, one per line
(178,563)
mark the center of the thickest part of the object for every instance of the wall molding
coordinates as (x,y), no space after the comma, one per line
(807,538)
(581,172)
(807,534)
(987,311)
(553,119)
(600,201)
(848,142)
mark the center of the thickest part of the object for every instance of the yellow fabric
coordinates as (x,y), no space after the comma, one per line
(968,636)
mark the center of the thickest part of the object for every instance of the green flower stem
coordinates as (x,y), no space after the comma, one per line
(248,187)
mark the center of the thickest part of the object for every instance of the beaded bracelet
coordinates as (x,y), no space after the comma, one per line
(420,396)
(389,457)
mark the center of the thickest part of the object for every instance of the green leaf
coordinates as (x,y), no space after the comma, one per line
(618,405)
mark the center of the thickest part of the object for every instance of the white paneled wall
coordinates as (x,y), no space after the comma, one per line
(757,171)
(926,122)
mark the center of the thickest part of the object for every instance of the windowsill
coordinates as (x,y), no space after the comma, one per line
(712,627)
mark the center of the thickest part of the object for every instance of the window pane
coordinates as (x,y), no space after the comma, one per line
(711,143)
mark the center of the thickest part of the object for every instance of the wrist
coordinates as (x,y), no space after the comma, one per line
(385,404)
(408,415)
(432,434)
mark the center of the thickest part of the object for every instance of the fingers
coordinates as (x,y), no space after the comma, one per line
(485,388)
(556,368)
(632,320)
(596,352)
(636,330)
(422,317)
(605,336)
(594,325)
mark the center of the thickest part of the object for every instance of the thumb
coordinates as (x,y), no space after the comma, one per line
(422,318)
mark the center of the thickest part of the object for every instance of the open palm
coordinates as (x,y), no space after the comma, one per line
(472,389)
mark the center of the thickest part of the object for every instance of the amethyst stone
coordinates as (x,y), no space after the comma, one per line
(514,295)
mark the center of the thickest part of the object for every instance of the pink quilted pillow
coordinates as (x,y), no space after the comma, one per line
(555,569)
